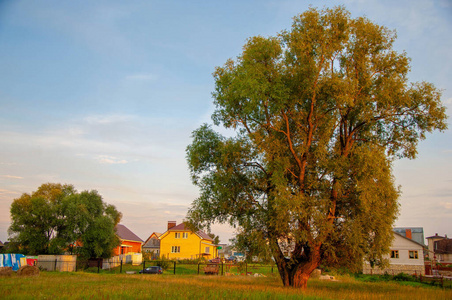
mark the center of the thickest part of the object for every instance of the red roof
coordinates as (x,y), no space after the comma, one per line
(124,233)
(183,227)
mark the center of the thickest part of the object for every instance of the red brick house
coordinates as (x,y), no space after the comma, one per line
(130,242)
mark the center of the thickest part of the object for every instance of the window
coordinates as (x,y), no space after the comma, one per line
(175,249)
(207,250)
(177,235)
(185,235)
(394,253)
(413,255)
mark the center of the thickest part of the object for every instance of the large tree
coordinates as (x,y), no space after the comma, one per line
(319,112)
(52,218)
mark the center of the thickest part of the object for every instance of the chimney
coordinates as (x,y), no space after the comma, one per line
(171,224)
(408,233)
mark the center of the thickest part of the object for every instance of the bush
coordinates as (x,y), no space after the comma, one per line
(403,277)
(164,263)
(192,261)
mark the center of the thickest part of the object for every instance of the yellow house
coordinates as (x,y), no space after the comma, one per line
(179,242)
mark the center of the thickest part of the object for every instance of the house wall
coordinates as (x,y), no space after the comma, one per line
(431,249)
(129,247)
(404,246)
(152,245)
(190,247)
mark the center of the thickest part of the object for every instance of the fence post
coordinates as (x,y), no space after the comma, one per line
(198,268)
(98,265)
(272,269)
(221,268)
(144,265)
(174,267)
(442,282)
(120,268)
(55,264)
(246,268)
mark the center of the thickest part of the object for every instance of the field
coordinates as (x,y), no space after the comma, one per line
(82,285)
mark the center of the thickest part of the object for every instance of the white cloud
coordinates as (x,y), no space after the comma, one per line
(105,159)
(4,192)
(11,177)
(446,205)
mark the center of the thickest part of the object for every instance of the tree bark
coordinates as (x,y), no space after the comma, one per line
(297,274)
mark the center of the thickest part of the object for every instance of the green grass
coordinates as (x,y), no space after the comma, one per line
(192,269)
(82,285)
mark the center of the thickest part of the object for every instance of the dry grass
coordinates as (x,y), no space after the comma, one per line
(6,271)
(28,271)
(112,286)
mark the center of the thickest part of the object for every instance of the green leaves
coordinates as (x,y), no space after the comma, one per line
(56,215)
(321,111)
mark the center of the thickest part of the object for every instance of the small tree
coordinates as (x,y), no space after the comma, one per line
(321,111)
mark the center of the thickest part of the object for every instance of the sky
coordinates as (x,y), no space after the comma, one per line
(105,94)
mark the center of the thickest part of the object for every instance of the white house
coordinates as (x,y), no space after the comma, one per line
(406,256)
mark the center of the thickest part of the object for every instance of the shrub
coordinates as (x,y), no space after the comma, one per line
(403,277)
(163,262)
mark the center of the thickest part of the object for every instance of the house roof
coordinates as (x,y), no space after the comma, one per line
(124,233)
(410,239)
(156,234)
(436,236)
(183,227)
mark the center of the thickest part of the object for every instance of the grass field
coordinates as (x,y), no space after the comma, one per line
(82,285)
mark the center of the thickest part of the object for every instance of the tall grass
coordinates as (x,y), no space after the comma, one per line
(83,285)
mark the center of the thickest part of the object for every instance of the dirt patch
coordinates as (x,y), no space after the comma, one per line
(6,271)
(28,271)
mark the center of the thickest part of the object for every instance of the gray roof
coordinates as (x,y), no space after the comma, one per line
(409,239)
(153,242)
(124,233)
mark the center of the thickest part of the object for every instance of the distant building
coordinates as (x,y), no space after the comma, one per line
(440,249)
(414,233)
(180,242)
(152,245)
(130,242)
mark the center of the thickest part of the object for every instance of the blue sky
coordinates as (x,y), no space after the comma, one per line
(104,95)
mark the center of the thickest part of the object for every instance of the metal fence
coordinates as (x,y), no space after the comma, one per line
(177,267)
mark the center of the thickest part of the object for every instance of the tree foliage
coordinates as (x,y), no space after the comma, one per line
(55,216)
(320,113)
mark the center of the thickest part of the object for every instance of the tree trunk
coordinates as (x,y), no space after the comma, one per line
(301,274)
(297,275)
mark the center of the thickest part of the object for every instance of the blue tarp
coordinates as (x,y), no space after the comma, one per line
(11,260)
